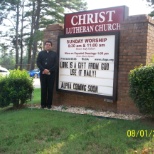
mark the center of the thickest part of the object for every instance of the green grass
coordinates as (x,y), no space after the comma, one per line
(41,131)
(36,96)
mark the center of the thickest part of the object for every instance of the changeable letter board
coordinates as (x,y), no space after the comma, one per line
(88,64)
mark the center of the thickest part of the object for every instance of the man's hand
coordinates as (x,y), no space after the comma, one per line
(46,71)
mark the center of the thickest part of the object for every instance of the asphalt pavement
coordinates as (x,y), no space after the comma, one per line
(36,82)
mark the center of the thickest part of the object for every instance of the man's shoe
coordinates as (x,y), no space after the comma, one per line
(43,106)
(49,107)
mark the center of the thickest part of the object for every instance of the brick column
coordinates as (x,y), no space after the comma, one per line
(135,43)
(52,32)
(150,41)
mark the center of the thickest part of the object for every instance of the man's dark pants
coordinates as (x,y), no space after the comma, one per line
(47,85)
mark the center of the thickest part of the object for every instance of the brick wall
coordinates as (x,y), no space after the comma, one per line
(136,47)
(150,41)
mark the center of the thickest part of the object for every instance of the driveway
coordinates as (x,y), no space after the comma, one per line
(36,82)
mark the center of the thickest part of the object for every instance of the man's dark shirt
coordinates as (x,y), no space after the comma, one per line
(47,60)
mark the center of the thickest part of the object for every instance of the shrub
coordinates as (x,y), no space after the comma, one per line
(141,81)
(4,99)
(17,88)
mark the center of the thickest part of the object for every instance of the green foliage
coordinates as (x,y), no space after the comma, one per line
(152,60)
(6,57)
(35,17)
(17,88)
(151,14)
(141,81)
(151,2)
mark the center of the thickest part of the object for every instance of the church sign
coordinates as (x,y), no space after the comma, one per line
(101,20)
(88,52)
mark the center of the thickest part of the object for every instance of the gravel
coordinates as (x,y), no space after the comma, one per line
(85,111)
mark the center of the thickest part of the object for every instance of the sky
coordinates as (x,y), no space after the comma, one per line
(136,7)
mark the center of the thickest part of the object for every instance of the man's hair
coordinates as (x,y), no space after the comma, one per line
(48,42)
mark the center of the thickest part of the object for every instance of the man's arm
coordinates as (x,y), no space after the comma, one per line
(53,68)
(38,62)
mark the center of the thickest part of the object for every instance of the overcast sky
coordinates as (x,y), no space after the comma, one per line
(136,7)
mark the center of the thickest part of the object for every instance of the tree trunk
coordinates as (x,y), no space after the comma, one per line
(31,37)
(21,41)
(36,28)
(16,38)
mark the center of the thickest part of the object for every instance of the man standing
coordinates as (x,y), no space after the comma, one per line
(46,62)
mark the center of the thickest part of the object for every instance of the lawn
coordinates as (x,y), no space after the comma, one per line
(36,97)
(41,131)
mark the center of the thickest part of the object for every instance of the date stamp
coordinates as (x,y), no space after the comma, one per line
(140,133)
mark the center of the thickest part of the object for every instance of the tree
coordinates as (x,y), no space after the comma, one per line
(151,14)
(14,15)
(6,59)
(21,35)
(151,1)
(30,17)
(3,11)
(45,12)
(152,5)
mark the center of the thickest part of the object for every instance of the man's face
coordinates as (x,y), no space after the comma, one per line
(48,46)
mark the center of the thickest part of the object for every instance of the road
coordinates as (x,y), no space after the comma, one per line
(36,82)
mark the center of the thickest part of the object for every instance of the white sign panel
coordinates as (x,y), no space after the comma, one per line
(87,64)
